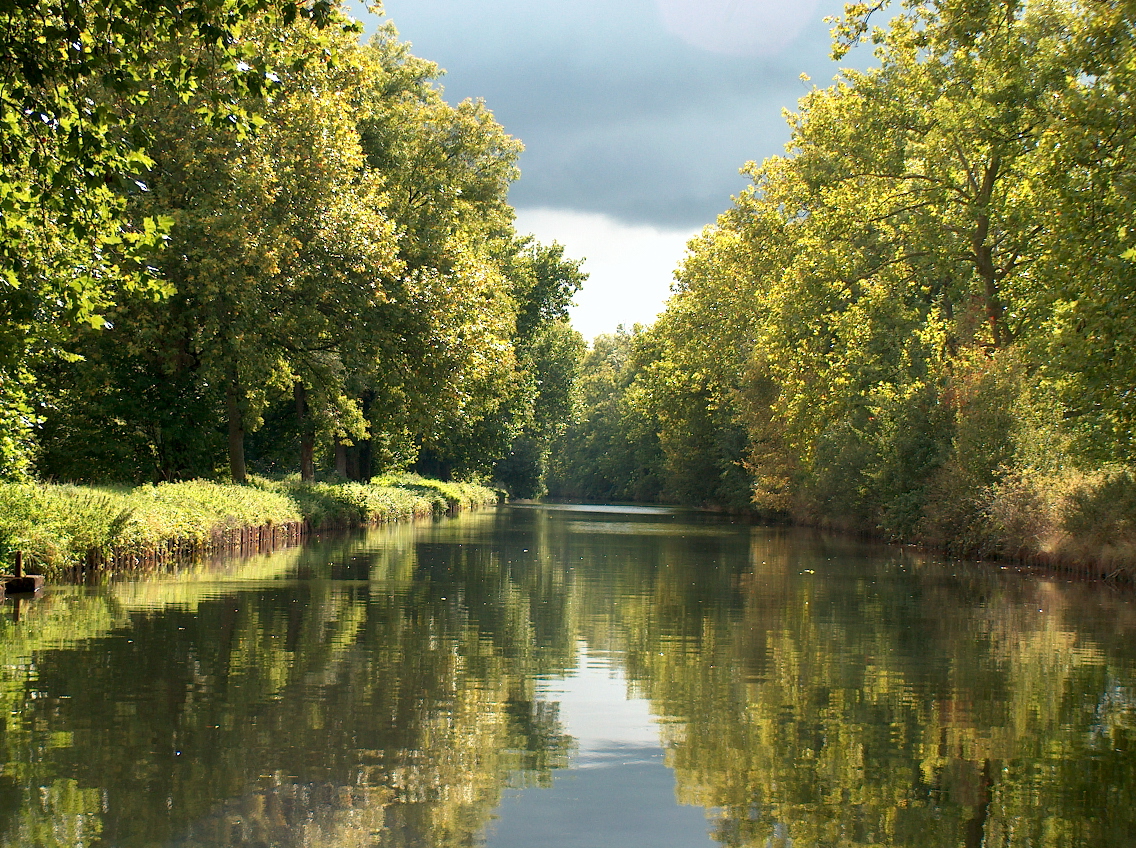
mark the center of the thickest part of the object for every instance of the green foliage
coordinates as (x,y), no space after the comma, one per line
(350,504)
(610,450)
(551,357)
(688,386)
(921,315)
(336,262)
(57,526)
(54,525)
(17,418)
(396,497)
(122,415)
(279,244)
(511,440)
(72,75)
(443,495)
(438,374)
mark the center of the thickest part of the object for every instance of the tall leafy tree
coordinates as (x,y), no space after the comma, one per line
(278,247)
(549,354)
(347,269)
(71,74)
(441,357)
(927,298)
(1085,162)
(610,449)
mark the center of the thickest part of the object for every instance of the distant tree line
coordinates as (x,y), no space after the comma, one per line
(920,321)
(234,239)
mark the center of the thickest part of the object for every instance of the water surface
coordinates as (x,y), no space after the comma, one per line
(568,676)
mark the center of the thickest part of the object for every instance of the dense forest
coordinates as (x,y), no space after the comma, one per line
(920,321)
(234,238)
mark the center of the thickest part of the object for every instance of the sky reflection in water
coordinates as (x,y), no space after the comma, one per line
(617,789)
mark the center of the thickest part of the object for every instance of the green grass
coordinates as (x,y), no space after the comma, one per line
(56,526)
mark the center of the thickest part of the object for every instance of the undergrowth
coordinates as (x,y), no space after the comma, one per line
(58,526)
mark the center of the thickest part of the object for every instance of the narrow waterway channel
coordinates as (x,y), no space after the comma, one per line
(572,676)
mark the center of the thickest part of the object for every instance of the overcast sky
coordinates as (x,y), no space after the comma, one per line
(635,114)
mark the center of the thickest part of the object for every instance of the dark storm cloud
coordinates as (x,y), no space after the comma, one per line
(620,115)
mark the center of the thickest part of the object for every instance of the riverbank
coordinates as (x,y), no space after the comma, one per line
(63,529)
(1070,521)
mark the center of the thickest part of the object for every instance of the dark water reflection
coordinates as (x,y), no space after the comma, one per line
(561,677)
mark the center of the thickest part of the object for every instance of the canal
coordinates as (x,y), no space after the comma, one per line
(572,676)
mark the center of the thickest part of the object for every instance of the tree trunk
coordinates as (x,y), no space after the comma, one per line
(984,264)
(235,411)
(307,434)
(340,458)
(984,256)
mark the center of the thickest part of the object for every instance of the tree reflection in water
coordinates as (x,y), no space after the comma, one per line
(385,690)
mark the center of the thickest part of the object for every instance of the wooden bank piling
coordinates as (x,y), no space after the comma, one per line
(20,583)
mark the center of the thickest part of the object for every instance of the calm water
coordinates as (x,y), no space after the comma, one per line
(568,677)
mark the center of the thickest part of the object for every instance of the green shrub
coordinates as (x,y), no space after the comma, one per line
(352,504)
(54,525)
(196,510)
(388,498)
(57,526)
(443,495)
(984,395)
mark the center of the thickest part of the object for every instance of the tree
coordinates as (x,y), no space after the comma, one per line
(610,450)
(349,269)
(549,352)
(279,247)
(929,293)
(442,357)
(1085,156)
(71,74)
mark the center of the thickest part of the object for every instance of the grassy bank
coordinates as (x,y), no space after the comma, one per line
(60,527)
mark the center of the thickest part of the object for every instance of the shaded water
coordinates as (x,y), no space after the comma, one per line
(572,677)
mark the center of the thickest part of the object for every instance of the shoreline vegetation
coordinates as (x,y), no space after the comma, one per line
(981,473)
(68,530)
(917,324)
(1074,523)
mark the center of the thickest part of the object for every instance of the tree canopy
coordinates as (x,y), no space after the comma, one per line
(918,320)
(299,255)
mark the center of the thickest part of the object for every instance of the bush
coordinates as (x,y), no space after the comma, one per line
(352,504)
(984,396)
(1099,521)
